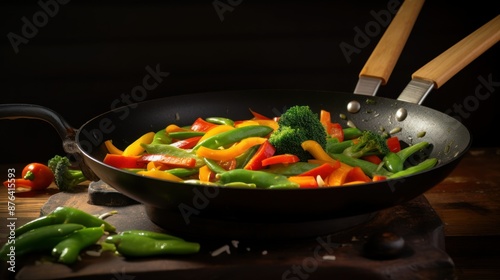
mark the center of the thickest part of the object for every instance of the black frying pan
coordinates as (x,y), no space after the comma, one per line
(234,213)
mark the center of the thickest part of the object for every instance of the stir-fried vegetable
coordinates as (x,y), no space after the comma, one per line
(296,150)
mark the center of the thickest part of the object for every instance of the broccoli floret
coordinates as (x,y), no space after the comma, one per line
(369,143)
(64,177)
(296,125)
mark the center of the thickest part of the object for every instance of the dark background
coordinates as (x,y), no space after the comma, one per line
(88,54)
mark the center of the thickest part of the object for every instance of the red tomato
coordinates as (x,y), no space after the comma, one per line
(40,174)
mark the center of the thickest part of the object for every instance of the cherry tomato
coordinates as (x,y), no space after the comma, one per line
(40,174)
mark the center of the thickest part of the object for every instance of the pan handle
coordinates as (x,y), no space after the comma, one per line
(385,55)
(31,111)
(65,131)
(442,68)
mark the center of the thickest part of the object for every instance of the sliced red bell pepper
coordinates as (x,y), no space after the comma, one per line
(202,125)
(323,171)
(171,161)
(186,143)
(377,178)
(283,159)
(227,164)
(334,130)
(357,174)
(265,150)
(305,182)
(258,116)
(372,158)
(121,161)
(393,144)
(19,184)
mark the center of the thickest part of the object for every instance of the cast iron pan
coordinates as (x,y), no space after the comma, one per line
(239,213)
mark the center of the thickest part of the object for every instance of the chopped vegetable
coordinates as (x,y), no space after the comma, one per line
(280,159)
(65,178)
(296,125)
(295,150)
(264,151)
(370,143)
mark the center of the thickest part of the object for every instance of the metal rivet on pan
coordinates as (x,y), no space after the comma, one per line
(401,114)
(353,106)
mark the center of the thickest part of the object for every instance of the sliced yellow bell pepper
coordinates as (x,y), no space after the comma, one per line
(231,152)
(204,173)
(174,128)
(247,122)
(155,173)
(216,130)
(112,149)
(135,148)
(271,123)
(315,149)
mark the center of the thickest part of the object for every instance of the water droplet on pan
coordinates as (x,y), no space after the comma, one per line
(401,114)
(353,106)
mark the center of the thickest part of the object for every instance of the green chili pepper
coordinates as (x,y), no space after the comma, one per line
(261,179)
(234,135)
(424,165)
(185,134)
(220,120)
(40,239)
(369,168)
(134,245)
(351,133)
(161,137)
(212,165)
(394,161)
(292,169)
(151,234)
(68,250)
(62,215)
(171,150)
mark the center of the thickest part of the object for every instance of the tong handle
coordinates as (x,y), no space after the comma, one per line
(385,55)
(446,65)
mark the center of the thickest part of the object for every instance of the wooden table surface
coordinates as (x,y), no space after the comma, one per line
(467,201)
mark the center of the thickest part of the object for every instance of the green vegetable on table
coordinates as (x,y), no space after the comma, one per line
(39,239)
(62,215)
(139,243)
(68,249)
(65,178)
(296,125)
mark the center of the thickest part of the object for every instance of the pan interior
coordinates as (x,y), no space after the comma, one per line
(449,139)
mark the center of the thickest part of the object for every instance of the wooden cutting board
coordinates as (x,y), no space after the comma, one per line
(279,259)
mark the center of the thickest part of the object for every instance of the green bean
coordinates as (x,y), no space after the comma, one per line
(261,179)
(220,120)
(232,136)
